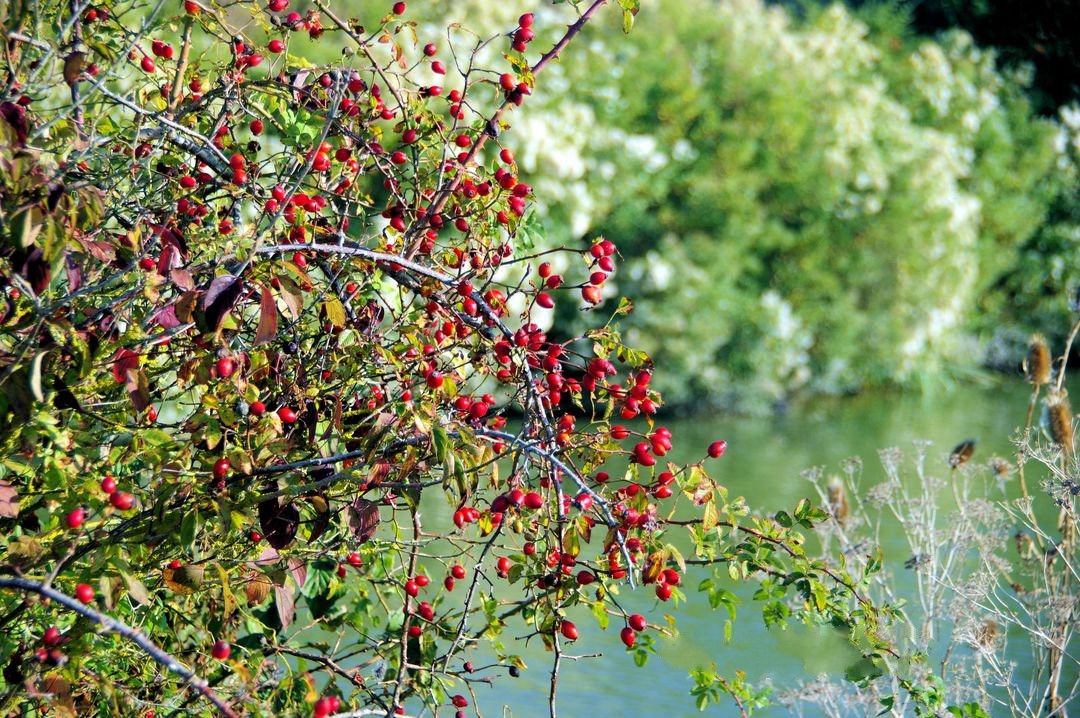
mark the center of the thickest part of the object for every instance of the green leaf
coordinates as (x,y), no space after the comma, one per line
(863,670)
(189,529)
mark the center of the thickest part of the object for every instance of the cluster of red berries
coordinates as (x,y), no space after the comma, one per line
(524,33)
(327,705)
(603,264)
(49,651)
(121,500)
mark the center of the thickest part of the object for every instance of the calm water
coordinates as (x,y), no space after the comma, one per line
(764,461)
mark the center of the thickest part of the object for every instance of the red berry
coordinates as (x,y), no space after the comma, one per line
(545,300)
(627,636)
(221,468)
(75,518)
(526,20)
(84,593)
(459,701)
(275,46)
(717,449)
(430,49)
(502,566)
(108,484)
(422,580)
(637,622)
(51,637)
(121,500)
(399,8)
(221,650)
(457,571)
(286,414)
(663,591)
(354,559)
(569,631)
(411,588)
(147,64)
(533,500)
(584,578)
(257,408)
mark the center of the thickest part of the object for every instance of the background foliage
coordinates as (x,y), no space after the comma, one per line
(812,205)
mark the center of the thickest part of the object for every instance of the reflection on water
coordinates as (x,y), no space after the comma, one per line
(763,463)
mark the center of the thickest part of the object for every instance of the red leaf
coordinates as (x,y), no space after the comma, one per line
(124,362)
(268,318)
(298,569)
(285,602)
(363,518)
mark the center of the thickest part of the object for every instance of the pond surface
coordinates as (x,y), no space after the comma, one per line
(764,463)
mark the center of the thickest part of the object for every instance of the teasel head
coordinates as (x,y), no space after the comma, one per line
(1059,420)
(1036,364)
(838,503)
(961,453)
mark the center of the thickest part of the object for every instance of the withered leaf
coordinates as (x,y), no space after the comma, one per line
(285,602)
(257,589)
(298,569)
(279,523)
(73,271)
(73,67)
(654,564)
(220,298)
(9,500)
(138,389)
(185,579)
(16,117)
(363,518)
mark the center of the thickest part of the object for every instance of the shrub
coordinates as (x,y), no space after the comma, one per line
(280,433)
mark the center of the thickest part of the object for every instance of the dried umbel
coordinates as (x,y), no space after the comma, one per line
(1036,364)
(1067,526)
(986,633)
(838,503)
(961,453)
(1059,420)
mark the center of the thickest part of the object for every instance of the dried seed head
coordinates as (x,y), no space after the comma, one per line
(961,453)
(986,633)
(1059,419)
(1067,526)
(1001,467)
(838,503)
(1037,363)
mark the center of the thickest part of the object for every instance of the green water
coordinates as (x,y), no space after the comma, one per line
(763,463)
